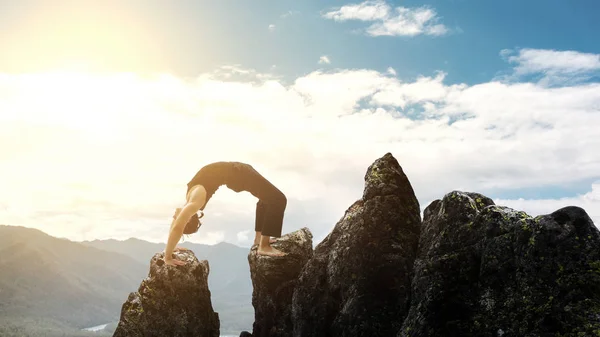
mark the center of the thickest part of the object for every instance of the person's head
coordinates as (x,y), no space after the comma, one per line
(193,224)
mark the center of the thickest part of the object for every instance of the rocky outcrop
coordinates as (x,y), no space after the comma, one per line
(489,270)
(274,280)
(171,301)
(359,279)
(470,268)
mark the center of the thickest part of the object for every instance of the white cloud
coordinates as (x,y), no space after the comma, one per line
(541,60)
(318,89)
(590,202)
(98,156)
(400,21)
(365,11)
(553,66)
(391,71)
(422,90)
(289,13)
(243,236)
(235,72)
(271,27)
(324,60)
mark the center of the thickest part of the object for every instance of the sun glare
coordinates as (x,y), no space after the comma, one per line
(78,65)
(100,36)
(77,99)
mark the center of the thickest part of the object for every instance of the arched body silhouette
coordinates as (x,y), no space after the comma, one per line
(238,177)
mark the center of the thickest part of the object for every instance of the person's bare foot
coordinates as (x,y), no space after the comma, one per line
(269,251)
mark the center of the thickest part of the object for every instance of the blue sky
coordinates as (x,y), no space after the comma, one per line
(498,97)
(197,36)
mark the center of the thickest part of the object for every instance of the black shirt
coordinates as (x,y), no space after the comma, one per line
(214,175)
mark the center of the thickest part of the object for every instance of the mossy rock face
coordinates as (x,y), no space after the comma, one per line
(489,270)
(171,301)
(470,268)
(358,281)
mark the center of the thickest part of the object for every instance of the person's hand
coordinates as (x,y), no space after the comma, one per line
(174,262)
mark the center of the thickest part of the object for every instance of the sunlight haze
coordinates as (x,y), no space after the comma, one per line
(107,109)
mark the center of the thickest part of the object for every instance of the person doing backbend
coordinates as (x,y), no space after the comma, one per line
(238,177)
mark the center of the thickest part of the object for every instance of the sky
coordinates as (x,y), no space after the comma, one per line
(108,108)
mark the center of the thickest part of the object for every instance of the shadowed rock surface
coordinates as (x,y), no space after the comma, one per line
(274,280)
(488,270)
(171,301)
(358,281)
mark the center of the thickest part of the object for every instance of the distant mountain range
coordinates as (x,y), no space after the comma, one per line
(55,287)
(229,278)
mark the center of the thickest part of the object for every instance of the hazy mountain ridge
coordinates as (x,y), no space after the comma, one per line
(53,287)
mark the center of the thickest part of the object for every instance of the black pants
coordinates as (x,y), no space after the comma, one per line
(271,204)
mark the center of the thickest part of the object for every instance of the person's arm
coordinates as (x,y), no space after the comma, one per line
(177,231)
(177,211)
(178,225)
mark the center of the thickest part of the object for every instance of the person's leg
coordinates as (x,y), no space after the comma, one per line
(269,210)
(258,221)
(258,236)
(274,214)
(272,225)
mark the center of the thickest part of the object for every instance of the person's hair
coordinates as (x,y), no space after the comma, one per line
(193,224)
